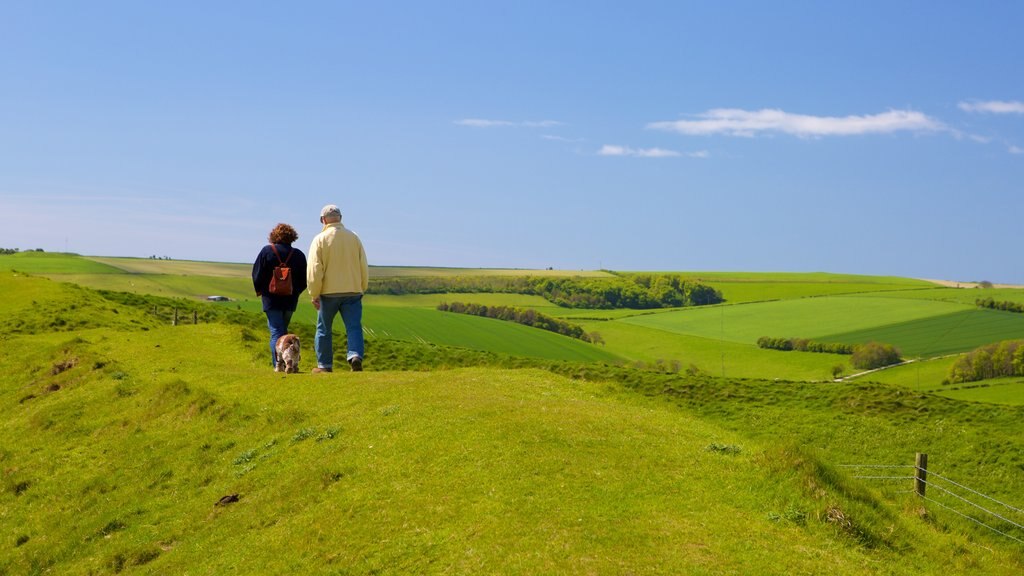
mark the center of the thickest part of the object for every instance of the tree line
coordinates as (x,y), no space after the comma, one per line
(636,291)
(1004,305)
(523,316)
(998,360)
(863,356)
(804,345)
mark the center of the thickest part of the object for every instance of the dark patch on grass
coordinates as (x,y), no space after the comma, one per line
(115,525)
(19,488)
(22,540)
(724,449)
(53,387)
(145,556)
(63,365)
(26,398)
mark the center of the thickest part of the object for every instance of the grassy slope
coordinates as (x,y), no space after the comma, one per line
(125,442)
(121,458)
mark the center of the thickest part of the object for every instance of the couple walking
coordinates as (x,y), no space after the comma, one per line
(336,276)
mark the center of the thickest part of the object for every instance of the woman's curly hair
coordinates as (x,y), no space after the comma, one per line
(283,234)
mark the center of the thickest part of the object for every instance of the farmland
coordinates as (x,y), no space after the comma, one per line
(922,319)
(542,454)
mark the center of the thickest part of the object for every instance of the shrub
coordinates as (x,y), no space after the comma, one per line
(1005,358)
(874,355)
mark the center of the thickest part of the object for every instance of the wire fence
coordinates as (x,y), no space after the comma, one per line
(997,516)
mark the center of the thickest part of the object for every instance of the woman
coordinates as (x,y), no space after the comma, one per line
(279,309)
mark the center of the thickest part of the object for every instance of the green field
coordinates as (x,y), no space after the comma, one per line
(944,334)
(997,391)
(798,318)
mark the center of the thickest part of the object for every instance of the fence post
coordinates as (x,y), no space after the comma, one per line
(195,317)
(175,321)
(920,473)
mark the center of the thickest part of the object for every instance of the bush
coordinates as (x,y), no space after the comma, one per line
(1005,358)
(874,355)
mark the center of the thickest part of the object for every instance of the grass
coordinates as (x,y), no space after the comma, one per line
(997,391)
(129,436)
(53,263)
(716,357)
(801,318)
(121,466)
(941,335)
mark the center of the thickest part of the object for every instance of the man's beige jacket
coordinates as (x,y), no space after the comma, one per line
(337,263)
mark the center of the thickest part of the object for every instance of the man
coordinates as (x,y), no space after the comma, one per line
(338,276)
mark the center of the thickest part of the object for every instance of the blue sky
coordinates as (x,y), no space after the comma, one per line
(856,137)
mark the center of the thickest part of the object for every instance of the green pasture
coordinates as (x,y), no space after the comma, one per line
(743,292)
(418,271)
(168,285)
(996,391)
(667,350)
(53,263)
(959,331)
(801,318)
(804,278)
(176,267)
(920,375)
(966,296)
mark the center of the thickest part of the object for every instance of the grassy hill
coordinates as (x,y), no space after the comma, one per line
(123,434)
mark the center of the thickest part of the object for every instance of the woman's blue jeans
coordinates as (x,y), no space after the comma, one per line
(278,321)
(351,309)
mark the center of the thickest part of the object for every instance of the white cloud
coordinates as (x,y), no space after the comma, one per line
(554,138)
(485,123)
(993,107)
(481,123)
(1016,150)
(612,150)
(736,122)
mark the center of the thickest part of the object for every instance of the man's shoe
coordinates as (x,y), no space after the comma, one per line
(356,363)
(319,370)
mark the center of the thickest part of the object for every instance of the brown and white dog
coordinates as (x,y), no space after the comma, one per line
(287,354)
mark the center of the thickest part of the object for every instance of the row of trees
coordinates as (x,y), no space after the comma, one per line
(637,291)
(9,251)
(523,316)
(804,345)
(1007,306)
(863,356)
(1004,358)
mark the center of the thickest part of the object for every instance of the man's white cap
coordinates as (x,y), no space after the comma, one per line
(330,210)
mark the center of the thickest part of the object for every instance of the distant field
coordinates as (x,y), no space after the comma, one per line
(801,318)
(945,334)
(715,357)
(738,292)
(53,263)
(998,391)
(184,267)
(925,375)
(416,271)
(961,295)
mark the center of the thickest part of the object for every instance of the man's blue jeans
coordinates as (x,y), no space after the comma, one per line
(278,321)
(351,309)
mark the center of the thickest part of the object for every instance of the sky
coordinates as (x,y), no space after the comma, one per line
(882,138)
